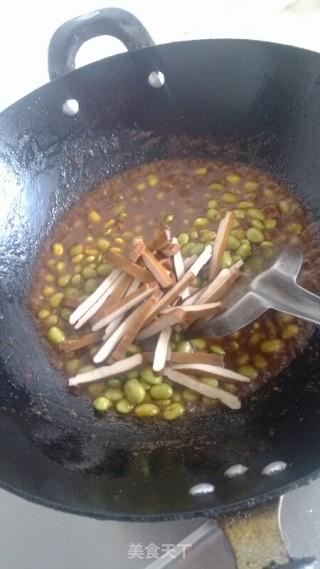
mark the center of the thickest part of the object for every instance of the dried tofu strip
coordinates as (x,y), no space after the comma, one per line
(194,312)
(198,310)
(180,270)
(176,290)
(123,283)
(220,373)
(178,264)
(161,351)
(193,298)
(170,249)
(115,323)
(225,397)
(112,341)
(90,301)
(112,327)
(221,284)
(158,271)
(184,357)
(129,267)
(196,358)
(189,261)
(160,241)
(170,296)
(74,344)
(160,323)
(98,304)
(219,247)
(131,321)
(166,263)
(128,364)
(136,323)
(109,313)
(139,246)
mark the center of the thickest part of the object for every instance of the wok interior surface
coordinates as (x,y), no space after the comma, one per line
(254,102)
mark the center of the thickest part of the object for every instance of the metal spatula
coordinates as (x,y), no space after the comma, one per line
(268,281)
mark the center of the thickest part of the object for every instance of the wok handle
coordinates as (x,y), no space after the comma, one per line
(256,540)
(70,36)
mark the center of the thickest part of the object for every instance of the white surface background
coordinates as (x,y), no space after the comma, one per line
(32,537)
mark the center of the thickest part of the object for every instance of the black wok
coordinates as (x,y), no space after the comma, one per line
(251,101)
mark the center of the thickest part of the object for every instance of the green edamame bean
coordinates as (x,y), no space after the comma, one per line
(244,250)
(218,350)
(51,320)
(146,410)
(184,346)
(71,291)
(256,213)
(63,280)
(124,406)
(55,299)
(75,250)
(254,235)
(90,286)
(73,365)
(113,393)
(213,214)
(76,280)
(190,395)
(113,382)
(161,391)
(101,404)
(134,391)
(200,222)
(147,375)
(133,349)
(96,389)
(229,197)
(248,371)
(104,269)
(226,260)
(199,344)
(162,402)
(186,249)
(57,249)
(197,249)
(210,381)
(270,223)
(257,224)
(182,238)
(77,259)
(207,236)
(173,411)
(86,367)
(213,203)
(233,243)
(55,335)
(89,273)
(239,233)
(43,313)
(271,346)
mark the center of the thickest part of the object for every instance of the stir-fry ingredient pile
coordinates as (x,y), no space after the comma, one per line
(150,294)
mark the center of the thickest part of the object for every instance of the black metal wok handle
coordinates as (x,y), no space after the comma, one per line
(70,36)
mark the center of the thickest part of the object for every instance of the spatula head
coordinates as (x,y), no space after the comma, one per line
(244,303)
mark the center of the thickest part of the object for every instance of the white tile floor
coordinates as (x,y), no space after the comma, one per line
(32,537)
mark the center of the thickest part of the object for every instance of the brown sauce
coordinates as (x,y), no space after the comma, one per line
(191,196)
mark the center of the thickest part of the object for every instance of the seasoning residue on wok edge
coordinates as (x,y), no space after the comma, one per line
(191,197)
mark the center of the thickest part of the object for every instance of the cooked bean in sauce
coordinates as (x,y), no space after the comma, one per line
(190,197)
